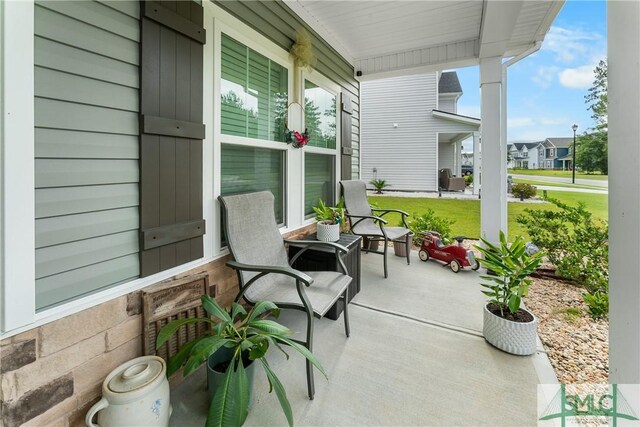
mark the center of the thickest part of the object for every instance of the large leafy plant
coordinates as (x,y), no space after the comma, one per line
(511,265)
(244,333)
(429,221)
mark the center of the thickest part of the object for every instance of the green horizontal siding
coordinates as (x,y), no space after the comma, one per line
(86,147)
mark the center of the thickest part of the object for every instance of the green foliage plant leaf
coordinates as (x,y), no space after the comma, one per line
(511,265)
(276,385)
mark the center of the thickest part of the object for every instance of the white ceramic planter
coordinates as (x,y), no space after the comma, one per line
(136,393)
(513,337)
(328,232)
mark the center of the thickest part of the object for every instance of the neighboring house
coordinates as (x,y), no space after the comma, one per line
(410,129)
(524,155)
(555,153)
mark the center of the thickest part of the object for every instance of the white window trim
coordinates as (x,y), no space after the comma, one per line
(18,170)
(217,22)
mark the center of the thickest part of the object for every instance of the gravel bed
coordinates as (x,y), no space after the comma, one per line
(577,346)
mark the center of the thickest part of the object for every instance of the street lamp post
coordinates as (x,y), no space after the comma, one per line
(573,162)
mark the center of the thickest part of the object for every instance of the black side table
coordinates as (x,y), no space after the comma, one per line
(324,259)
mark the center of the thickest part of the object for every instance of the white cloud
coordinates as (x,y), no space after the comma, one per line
(518,122)
(577,78)
(569,44)
(545,75)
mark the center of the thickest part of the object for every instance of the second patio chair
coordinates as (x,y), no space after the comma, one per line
(372,227)
(264,271)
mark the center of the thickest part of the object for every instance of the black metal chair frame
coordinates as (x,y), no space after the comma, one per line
(302,280)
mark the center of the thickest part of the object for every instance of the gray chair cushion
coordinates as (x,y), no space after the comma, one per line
(253,238)
(355,199)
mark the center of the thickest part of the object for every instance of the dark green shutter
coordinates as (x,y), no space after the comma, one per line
(171,134)
(345,132)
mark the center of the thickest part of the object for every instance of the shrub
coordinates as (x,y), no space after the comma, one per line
(597,303)
(379,185)
(468,179)
(575,243)
(429,221)
(524,191)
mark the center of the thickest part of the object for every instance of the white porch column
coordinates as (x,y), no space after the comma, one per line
(493,205)
(476,163)
(624,191)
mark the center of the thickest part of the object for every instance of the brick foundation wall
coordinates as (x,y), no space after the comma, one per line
(51,375)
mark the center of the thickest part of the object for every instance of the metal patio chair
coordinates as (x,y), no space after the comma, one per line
(373,228)
(265,273)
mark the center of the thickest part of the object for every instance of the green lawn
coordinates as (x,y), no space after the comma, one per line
(555,184)
(563,174)
(466,213)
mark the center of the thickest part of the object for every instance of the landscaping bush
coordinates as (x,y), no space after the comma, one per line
(597,304)
(429,221)
(576,244)
(468,179)
(523,191)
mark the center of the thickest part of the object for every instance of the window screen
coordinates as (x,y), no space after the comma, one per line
(319,181)
(247,169)
(254,93)
(320,116)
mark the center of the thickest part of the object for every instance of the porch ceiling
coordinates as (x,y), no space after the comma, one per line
(395,37)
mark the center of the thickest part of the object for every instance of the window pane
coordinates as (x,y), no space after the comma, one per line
(247,169)
(319,176)
(254,93)
(320,115)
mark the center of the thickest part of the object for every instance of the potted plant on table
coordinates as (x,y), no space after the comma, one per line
(244,338)
(506,325)
(330,220)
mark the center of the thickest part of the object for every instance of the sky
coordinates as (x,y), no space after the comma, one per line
(545,94)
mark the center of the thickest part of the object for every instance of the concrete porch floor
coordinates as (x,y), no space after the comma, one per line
(416,356)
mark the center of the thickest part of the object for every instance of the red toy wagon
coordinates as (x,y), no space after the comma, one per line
(455,256)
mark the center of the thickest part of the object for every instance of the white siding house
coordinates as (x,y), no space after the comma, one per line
(410,130)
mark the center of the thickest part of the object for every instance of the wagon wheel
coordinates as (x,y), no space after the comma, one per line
(455,266)
(424,255)
(476,265)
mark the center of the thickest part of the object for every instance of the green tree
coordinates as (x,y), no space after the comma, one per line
(591,153)
(597,96)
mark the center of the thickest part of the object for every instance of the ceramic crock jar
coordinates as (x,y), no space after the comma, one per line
(136,393)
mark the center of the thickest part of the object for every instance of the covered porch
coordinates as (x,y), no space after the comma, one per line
(416,356)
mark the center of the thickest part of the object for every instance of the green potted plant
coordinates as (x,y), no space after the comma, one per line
(245,338)
(506,325)
(330,220)
(379,185)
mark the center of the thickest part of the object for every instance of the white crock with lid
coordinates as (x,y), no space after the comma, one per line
(136,393)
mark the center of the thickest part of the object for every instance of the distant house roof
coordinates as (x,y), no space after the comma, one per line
(529,145)
(449,83)
(559,142)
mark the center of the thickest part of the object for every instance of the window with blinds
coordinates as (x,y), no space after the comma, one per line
(319,178)
(320,115)
(254,91)
(247,169)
